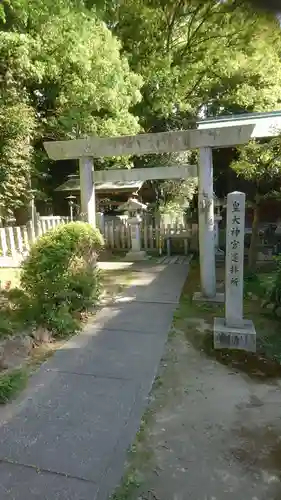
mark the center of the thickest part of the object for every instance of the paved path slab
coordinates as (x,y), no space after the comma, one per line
(112,353)
(71,427)
(174,259)
(66,437)
(21,482)
(163,290)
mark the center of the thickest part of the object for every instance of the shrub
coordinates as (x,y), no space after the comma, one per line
(60,276)
(14,311)
(6,326)
(11,383)
(62,321)
(274,291)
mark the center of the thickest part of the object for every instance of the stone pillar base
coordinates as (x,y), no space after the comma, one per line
(242,338)
(199,297)
(135,256)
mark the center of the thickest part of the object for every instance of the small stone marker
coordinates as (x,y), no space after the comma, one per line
(234,331)
(234,261)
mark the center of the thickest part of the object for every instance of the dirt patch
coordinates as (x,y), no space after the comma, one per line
(259,448)
(207,433)
(14,351)
(255,365)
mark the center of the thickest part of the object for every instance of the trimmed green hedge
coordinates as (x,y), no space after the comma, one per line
(60,277)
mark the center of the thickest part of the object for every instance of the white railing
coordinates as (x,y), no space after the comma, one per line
(50,221)
(15,241)
(118,237)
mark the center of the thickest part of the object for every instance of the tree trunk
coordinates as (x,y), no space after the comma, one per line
(22,215)
(253,250)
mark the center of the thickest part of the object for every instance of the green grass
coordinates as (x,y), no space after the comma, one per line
(128,487)
(12,317)
(11,383)
(259,284)
(7,324)
(266,362)
(267,325)
(138,454)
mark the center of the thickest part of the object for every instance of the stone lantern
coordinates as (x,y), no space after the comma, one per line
(134,208)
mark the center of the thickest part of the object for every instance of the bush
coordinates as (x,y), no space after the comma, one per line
(274,292)
(62,321)
(11,383)
(14,311)
(60,277)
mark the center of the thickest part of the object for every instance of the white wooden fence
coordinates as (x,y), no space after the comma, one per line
(118,236)
(15,241)
(50,221)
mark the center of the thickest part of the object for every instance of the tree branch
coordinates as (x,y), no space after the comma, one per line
(171,24)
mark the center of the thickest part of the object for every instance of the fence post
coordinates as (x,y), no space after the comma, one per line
(34,222)
(12,240)
(30,231)
(25,238)
(145,236)
(150,237)
(123,236)
(100,221)
(19,238)
(39,228)
(111,234)
(4,241)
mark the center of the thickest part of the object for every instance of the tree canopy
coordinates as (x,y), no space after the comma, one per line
(198,57)
(62,76)
(71,68)
(259,163)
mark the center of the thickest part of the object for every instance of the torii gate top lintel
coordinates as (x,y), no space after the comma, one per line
(154,143)
(215,133)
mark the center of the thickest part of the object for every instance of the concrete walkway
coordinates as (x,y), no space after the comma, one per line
(66,437)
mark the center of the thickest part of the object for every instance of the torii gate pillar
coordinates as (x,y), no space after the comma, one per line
(87,190)
(206,227)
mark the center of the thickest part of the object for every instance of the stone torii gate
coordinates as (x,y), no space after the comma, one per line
(218,133)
